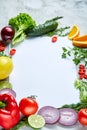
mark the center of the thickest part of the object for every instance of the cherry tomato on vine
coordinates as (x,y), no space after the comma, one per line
(82,116)
(28,106)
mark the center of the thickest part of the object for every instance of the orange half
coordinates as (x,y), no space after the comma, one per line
(75,31)
(80,41)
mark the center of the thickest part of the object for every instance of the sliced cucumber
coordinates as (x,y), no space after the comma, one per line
(36,121)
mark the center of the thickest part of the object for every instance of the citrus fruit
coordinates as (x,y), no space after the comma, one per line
(36,121)
(80,41)
(75,31)
(5,84)
(6,67)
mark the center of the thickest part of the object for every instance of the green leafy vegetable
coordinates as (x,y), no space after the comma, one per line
(78,54)
(82,86)
(20,23)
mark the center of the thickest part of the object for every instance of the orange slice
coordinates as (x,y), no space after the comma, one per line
(75,31)
(80,41)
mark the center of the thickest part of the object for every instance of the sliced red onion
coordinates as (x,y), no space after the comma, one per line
(8,91)
(68,117)
(50,114)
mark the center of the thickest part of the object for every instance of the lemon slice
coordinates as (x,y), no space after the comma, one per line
(36,121)
(75,31)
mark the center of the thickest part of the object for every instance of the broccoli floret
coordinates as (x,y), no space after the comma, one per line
(82,86)
(21,23)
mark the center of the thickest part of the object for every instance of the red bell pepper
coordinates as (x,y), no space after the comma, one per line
(10,114)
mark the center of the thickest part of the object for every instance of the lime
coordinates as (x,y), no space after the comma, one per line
(5,84)
(36,121)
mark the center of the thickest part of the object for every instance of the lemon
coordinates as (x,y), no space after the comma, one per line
(6,67)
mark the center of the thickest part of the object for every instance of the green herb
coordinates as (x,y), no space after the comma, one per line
(2,53)
(78,54)
(60,32)
(82,86)
(74,106)
(20,23)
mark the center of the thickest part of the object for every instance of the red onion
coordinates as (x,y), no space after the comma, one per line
(7,33)
(50,114)
(8,91)
(68,117)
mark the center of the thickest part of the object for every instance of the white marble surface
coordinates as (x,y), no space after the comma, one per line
(73,11)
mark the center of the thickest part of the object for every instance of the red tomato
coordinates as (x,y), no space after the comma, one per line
(81,66)
(12,52)
(85,76)
(54,38)
(82,116)
(28,106)
(2,46)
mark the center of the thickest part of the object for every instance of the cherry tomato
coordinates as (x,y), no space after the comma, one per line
(81,66)
(54,38)
(28,106)
(2,46)
(82,116)
(7,33)
(81,77)
(12,52)
(85,76)
(81,71)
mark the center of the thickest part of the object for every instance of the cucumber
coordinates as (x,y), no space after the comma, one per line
(45,28)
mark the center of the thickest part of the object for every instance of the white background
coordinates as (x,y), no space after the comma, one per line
(39,70)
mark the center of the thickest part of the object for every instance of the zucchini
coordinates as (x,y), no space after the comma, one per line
(45,28)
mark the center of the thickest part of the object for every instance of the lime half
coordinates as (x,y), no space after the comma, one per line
(36,121)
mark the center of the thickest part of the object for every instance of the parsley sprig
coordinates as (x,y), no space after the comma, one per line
(62,31)
(79,54)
